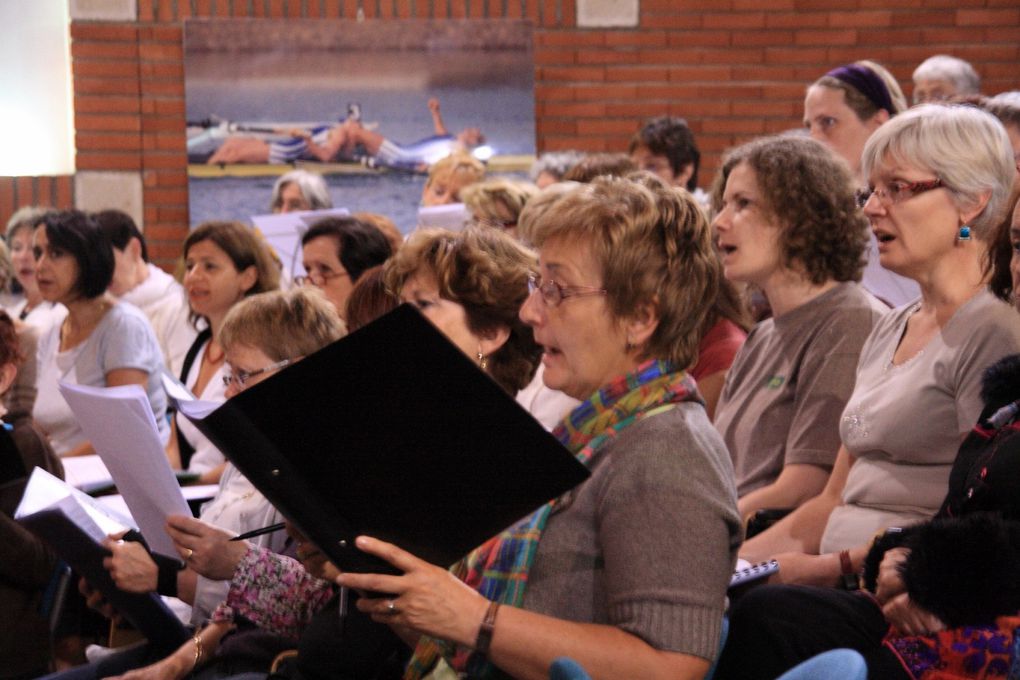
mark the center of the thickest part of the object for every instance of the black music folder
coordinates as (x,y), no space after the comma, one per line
(74,526)
(394,433)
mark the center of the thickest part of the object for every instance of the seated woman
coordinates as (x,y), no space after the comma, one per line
(28,564)
(940,178)
(334,253)
(841,110)
(224,262)
(471,286)
(27,303)
(259,335)
(101,342)
(725,328)
(497,203)
(616,307)
(300,190)
(787,223)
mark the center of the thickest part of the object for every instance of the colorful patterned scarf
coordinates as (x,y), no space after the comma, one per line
(498,569)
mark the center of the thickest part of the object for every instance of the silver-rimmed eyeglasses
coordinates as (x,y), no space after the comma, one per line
(241,378)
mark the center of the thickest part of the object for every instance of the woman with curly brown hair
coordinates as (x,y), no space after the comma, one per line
(788,224)
(471,285)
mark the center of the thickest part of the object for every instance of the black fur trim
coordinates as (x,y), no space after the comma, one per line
(965,570)
(1000,384)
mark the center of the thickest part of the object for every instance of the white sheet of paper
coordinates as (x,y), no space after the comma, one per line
(186,402)
(80,471)
(45,491)
(283,231)
(451,216)
(118,421)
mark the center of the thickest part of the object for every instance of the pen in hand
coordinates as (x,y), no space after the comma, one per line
(259,532)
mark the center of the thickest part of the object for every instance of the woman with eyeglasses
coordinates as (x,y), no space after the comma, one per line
(224,262)
(939,178)
(787,223)
(334,253)
(627,574)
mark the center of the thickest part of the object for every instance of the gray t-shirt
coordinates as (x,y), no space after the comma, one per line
(122,339)
(788,385)
(904,423)
(649,542)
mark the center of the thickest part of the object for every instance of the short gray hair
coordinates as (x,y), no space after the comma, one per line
(952,69)
(1005,106)
(312,187)
(556,163)
(967,148)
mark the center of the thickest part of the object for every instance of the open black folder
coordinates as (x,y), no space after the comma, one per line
(394,433)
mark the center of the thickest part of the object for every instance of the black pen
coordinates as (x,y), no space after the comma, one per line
(258,532)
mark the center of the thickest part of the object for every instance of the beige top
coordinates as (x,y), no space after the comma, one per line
(787,387)
(904,423)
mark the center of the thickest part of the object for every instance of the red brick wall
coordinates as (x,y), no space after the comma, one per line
(732,69)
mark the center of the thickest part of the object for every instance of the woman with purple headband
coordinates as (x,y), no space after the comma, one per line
(845,106)
(842,109)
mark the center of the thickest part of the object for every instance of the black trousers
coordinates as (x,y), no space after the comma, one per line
(773,628)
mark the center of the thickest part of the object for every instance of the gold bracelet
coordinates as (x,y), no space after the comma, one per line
(198,650)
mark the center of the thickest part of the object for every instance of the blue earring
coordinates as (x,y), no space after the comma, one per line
(964,233)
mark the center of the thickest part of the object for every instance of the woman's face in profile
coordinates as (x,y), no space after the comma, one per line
(748,240)
(829,120)
(422,291)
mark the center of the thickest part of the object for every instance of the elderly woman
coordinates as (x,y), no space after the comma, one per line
(939,179)
(842,109)
(943,77)
(787,223)
(471,286)
(300,190)
(616,307)
(101,342)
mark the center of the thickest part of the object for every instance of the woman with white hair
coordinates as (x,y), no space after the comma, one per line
(300,190)
(941,77)
(939,180)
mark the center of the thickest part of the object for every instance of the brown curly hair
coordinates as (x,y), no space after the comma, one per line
(486,272)
(653,246)
(809,193)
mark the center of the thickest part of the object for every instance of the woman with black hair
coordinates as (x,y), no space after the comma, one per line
(101,342)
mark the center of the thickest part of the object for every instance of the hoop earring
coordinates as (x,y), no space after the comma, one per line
(964,234)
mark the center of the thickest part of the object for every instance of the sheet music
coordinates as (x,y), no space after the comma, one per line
(118,421)
(44,491)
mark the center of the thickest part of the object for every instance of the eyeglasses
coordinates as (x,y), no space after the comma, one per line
(241,378)
(897,192)
(318,276)
(553,293)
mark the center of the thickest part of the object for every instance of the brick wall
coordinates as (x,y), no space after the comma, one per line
(731,68)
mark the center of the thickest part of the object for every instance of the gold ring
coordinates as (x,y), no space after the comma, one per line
(188,556)
(391,608)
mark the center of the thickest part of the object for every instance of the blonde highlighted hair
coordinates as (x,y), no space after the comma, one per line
(283,324)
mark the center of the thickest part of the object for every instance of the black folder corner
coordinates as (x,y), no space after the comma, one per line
(145,611)
(394,433)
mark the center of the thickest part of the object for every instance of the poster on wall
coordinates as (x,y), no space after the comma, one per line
(368,105)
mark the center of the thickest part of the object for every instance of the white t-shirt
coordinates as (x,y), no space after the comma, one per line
(206,455)
(162,299)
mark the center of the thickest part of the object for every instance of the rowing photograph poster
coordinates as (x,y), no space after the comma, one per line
(368,105)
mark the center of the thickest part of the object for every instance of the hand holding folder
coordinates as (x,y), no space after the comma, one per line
(391,432)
